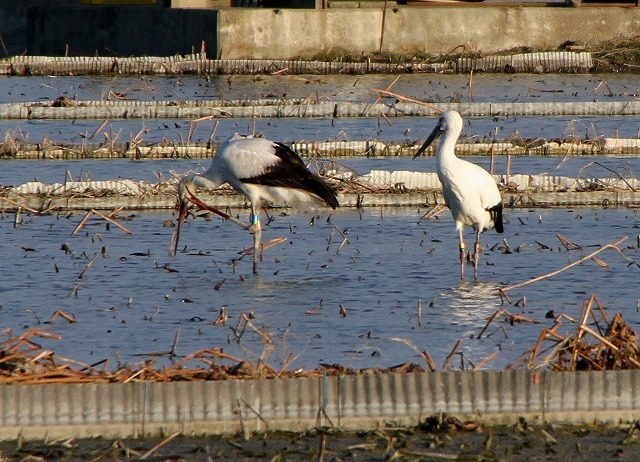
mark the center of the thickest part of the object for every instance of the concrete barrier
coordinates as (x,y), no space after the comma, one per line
(350,401)
(284,34)
(255,33)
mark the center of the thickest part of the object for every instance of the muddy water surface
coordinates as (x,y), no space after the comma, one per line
(434,88)
(134,298)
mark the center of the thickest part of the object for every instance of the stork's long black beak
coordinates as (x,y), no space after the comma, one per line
(437,131)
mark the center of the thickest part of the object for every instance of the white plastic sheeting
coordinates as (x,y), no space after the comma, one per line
(296,108)
(119,187)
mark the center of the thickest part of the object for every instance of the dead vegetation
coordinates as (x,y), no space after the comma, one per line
(598,343)
(24,361)
(438,437)
(618,56)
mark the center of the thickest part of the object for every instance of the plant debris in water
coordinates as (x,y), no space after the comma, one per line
(597,344)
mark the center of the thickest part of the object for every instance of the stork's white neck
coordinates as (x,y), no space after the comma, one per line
(192,182)
(447,149)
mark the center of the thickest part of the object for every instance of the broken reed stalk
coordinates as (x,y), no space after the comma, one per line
(107,217)
(82,222)
(380,96)
(410,100)
(568,245)
(584,315)
(429,455)
(68,317)
(445,366)
(430,362)
(16,219)
(19,206)
(610,170)
(99,129)
(489,321)
(176,339)
(112,221)
(264,246)
(159,445)
(433,212)
(89,265)
(486,360)
(553,273)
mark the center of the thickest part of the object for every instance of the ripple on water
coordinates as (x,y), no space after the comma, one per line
(129,303)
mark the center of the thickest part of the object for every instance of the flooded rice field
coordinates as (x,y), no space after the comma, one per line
(357,89)
(15,173)
(320,297)
(344,287)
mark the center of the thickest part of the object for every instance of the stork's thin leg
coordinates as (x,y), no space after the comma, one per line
(256,229)
(476,256)
(463,254)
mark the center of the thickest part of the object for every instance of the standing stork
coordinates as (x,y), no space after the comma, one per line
(264,171)
(469,190)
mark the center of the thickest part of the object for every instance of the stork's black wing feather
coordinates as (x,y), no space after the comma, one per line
(496,216)
(291,172)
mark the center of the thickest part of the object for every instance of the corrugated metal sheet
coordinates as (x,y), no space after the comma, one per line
(547,61)
(18,149)
(354,401)
(283,109)
(395,189)
(553,61)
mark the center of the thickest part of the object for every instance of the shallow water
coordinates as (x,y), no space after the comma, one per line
(14,173)
(359,89)
(135,298)
(128,303)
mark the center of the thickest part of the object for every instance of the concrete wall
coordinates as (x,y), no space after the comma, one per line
(364,402)
(260,33)
(286,34)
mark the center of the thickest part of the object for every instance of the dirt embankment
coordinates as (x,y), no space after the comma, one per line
(438,438)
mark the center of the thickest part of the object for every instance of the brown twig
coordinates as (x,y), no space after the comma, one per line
(112,221)
(411,100)
(553,273)
(159,445)
(82,222)
(445,366)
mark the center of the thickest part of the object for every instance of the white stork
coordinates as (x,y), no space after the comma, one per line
(265,172)
(469,190)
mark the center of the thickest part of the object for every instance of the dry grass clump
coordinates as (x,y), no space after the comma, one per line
(597,344)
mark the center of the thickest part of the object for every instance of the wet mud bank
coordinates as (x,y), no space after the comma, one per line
(437,438)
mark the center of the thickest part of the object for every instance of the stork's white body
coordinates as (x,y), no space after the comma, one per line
(240,159)
(469,190)
(265,172)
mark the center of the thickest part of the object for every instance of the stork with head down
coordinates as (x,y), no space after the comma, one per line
(263,171)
